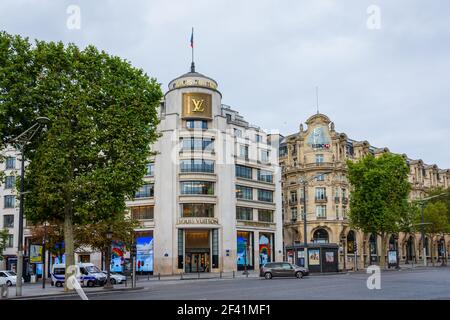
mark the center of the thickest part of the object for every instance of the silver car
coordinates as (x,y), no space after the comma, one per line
(282,269)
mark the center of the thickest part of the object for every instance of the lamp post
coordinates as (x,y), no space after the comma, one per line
(443,253)
(21,141)
(109,236)
(45,224)
(304,182)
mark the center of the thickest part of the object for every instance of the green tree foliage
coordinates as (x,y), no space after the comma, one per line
(103,115)
(379,197)
(3,239)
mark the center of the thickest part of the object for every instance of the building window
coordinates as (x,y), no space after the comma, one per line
(84,258)
(146,191)
(243,172)
(142,212)
(265,156)
(10,163)
(321,212)
(321,194)
(293,197)
(337,212)
(265,215)
(320,236)
(243,151)
(320,177)
(244,250)
(150,170)
(197,144)
(197,210)
(197,165)
(245,193)
(294,213)
(8,221)
(228,117)
(10,182)
(265,195)
(319,158)
(258,138)
(344,212)
(10,201)
(265,176)
(197,187)
(243,213)
(238,133)
(10,241)
(344,194)
(197,124)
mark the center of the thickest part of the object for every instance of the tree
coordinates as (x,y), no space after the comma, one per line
(3,241)
(436,222)
(94,235)
(379,196)
(103,115)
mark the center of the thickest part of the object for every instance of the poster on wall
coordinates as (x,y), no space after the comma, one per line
(117,257)
(35,253)
(329,257)
(264,248)
(144,252)
(314,258)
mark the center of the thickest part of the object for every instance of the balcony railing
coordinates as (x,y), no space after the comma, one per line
(344,200)
(293,202)
(321,199)
(336,199)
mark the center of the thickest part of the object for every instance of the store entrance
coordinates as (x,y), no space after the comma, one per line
(197,262)
(197,251)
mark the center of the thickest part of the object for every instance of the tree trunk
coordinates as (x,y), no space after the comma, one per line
(68,241)
(432,249)
(383,251)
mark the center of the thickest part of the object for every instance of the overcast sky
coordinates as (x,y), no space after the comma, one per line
(388,85)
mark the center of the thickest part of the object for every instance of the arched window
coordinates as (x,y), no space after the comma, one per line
(351,241)
(320,236)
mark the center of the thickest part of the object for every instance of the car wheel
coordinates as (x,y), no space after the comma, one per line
(268,276)
(113,281)
(9,283)
(59,284)
(299,274)
(90,283)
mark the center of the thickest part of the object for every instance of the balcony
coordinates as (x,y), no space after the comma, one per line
(321,199)
(344,200)
(336,199)
(320,165)
(293,202)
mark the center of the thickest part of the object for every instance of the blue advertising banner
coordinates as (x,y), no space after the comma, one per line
(144,253)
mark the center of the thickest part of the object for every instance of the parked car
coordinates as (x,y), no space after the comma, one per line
(282,269)
(115,277)
(9,277)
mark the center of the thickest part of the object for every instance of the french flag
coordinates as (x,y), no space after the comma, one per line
(192,38)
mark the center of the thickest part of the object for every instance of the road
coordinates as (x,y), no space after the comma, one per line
(433,283)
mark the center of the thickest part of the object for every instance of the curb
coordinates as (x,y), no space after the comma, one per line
(72,294)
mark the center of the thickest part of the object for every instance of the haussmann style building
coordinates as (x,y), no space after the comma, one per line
(314,160)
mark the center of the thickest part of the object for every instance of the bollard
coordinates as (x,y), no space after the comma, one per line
(159,276)
(148,276)
(246,274)
(220,274)
(198,275)
(181,274)
(233,274)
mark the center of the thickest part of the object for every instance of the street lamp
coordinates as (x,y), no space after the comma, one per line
(443,253)
(305,236)
(21,141)
(44,240)
(109,236)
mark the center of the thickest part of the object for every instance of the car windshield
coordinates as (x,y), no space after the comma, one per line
(10,273)
(92,269)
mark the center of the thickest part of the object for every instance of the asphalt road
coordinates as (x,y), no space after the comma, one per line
(405,284)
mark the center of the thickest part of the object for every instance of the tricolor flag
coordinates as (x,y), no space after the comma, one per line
(192,38)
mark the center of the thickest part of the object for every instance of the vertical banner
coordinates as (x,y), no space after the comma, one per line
(144,252)
(265,248)
(35,253)
(117,257)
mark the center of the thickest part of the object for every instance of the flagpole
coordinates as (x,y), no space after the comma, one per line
(192,47)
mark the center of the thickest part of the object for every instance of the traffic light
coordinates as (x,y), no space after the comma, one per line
(133,250)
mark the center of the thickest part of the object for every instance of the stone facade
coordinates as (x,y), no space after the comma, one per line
(321,149)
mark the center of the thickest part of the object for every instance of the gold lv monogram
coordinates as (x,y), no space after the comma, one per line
(198,105)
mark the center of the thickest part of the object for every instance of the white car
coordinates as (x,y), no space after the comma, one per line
(9,278)
(115,277)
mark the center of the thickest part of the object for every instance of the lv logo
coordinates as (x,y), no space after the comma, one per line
(198,105)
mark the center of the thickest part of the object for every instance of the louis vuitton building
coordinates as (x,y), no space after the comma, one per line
(212,197)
